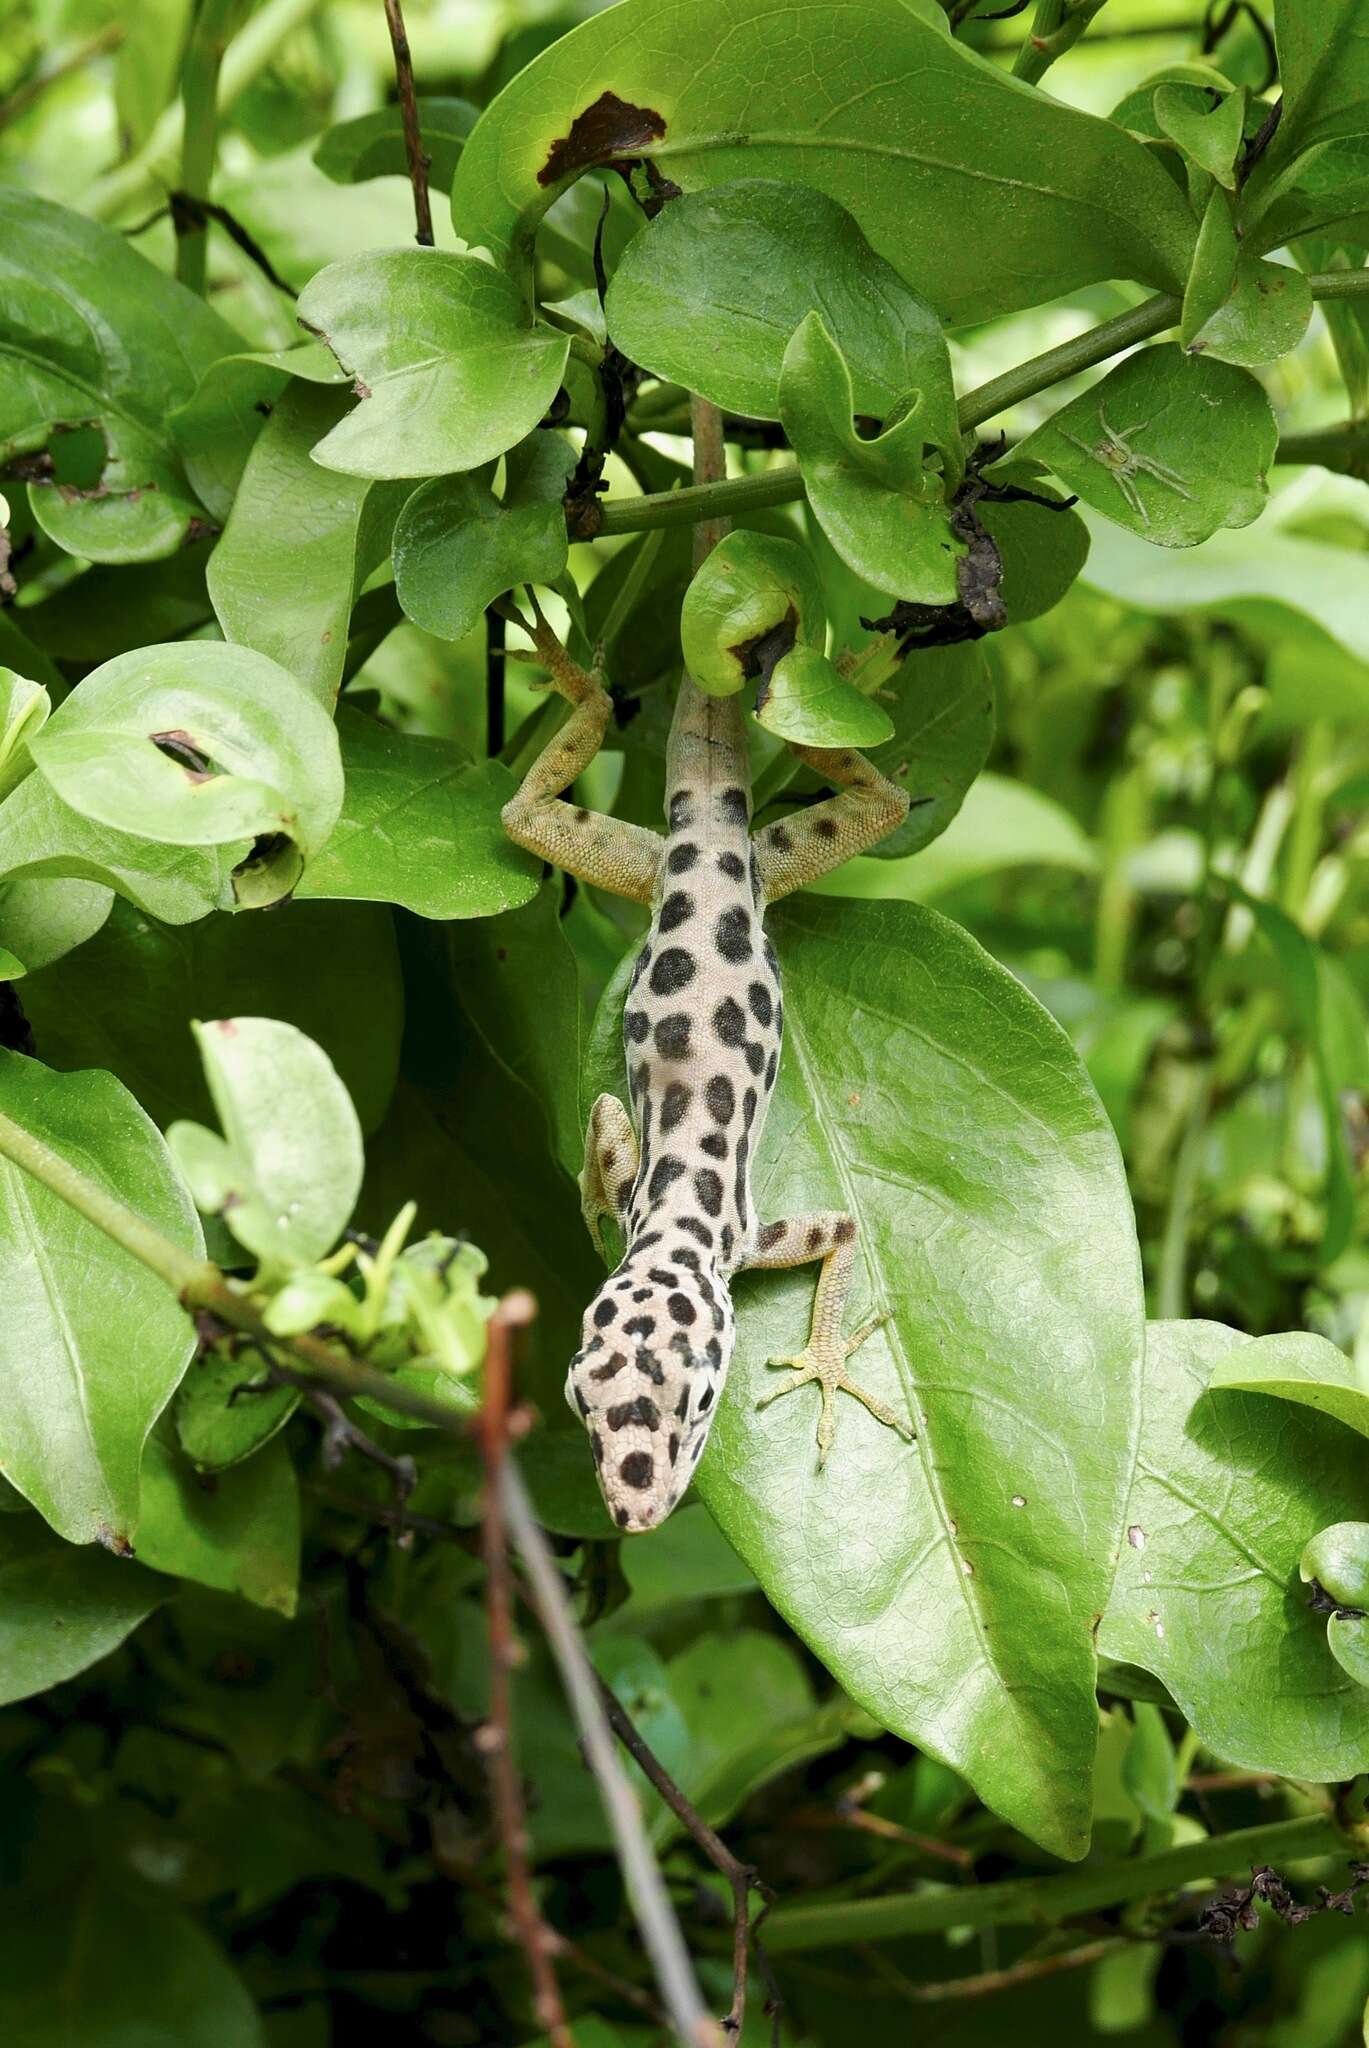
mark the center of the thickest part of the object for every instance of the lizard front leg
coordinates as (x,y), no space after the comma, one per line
(831,1237)
(608,852)
(610,1168)
(866,808)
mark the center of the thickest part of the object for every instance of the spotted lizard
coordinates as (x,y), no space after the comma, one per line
(702,1028)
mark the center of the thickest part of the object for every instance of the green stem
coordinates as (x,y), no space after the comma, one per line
(1171,1283)
(1045,1901)
(200,133)
(198,1283)
(703,501)
(784,485)
(1309,805)
(1344,447)
(146,175)
(1056,28)
(1123,822)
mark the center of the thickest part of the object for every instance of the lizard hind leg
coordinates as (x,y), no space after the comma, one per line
(866,808)
(831,1237)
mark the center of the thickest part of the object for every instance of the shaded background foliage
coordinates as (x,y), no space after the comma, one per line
(244,1792)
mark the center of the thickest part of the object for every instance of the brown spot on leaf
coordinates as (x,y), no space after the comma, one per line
(179,747)
(610,128)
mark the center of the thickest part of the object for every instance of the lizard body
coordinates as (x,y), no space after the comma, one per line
(702,1030)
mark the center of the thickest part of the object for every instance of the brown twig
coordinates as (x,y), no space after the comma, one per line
(646,1890)
(848,1813)
(495,1739)
(419,164)
(742,1877)
(988,1982)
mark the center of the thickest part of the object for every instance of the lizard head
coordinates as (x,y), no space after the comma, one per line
(654,1351)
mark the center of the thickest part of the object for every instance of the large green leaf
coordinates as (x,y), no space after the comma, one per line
(91,1343)
(201,745)
(420,827)
(331,970)
(1170,445)
(90,1968)
(880,505)
(710,293)
(448,369)
(939,156)
(62,1608)
(238,1530)
(286,1172)
(299,543)
(1228,1491)
(457,547)
(950,1585)
(93,338)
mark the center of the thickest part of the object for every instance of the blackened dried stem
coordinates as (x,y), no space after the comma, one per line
(515,1312)
(741,1876)
(341,1434)
(419,164)
(494,682)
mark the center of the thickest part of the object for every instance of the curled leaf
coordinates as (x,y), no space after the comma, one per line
(201,744)
(880,505)
(754,598)
(807,701)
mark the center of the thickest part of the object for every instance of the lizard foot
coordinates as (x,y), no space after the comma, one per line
(825,1363)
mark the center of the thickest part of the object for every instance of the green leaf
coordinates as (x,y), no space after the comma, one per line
(111,1970)
(42,920)
(1338,1559)
(1265,316)
(709,294)
(91,1343)
(24,708)
(1208,136)
(372,145)
(805,700)
(1324,70)
(42,837)
(1001,824)
(1170,445)
(750,587)
(457,547)
(1043,551)
(216,428)
(236,1530)
(226,1409)
(95,347)
(1213,275)
(949,1585)
(880,506)
(286,1173)
(299,544)
(449,371)
(1298,1367)
(943,713)
(332,970)
(62,1608)
(420,827)
(764,1722)
(1207,1594)
(1297,957)
(822,98)
(201,745)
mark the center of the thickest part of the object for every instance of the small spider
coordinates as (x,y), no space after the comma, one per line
(1124,465)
